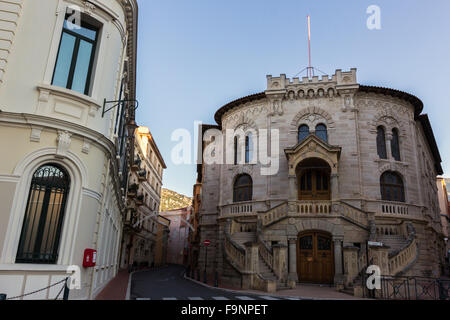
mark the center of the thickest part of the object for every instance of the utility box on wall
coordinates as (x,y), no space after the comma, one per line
(90,258)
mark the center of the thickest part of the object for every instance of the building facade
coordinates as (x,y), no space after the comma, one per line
(143,200)
(177,250)
(63,178)
(302,176)
(444,207)
(162,241)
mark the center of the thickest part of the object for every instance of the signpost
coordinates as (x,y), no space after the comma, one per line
(206,243)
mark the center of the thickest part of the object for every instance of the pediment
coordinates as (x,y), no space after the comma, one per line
(313,147)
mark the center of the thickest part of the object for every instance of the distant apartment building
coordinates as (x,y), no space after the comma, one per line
(177,251)
(162,241)
(143,200)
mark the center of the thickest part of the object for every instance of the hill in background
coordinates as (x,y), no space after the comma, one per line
(171,200)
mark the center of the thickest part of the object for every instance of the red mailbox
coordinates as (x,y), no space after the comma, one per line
(90,258)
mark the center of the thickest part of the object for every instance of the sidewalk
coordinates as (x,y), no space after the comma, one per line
(306,291)
(116,288)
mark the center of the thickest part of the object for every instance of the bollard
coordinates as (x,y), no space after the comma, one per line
(204,276)
(2,296)
(216,279)
(188,271)
(198,275)
(66,290)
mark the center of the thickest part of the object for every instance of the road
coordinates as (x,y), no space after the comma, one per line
(168,283)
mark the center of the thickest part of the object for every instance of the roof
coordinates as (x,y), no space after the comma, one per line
(413,100)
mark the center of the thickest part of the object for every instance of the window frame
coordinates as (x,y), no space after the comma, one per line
(248,186)
(322,130)
(299,130)
(78,38)
(395,147)
(381,148)
(38,186)
(392,186)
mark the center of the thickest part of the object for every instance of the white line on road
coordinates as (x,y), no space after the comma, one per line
(170,298)
(142,298)
(244,298)
(293,298)
(268,298)
(220,298)
(195,298)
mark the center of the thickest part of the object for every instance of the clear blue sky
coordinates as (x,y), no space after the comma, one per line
(195,56)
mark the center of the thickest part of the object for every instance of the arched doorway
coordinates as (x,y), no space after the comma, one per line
(315,258)
(313,179)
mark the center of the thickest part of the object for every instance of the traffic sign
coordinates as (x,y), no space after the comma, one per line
(206,243)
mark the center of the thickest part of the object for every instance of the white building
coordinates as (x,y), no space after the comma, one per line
(63,172)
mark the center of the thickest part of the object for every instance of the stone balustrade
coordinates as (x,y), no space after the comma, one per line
(242,208)
(353,213)
(395,209)
(311,207)
(274,214)
(403,258)
(235,254)
(265,252)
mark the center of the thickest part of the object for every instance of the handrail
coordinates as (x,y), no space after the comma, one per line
(401,259)
(274,214)
(234,252)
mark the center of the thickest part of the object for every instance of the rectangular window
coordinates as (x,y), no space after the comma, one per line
(75,59)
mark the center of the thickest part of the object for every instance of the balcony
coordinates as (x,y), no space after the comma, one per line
(132,190)
(246,208)
(136,164)
(142,175)
(395,209)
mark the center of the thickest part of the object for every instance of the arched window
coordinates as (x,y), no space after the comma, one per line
(392,187)
(303,132)
(395,145)
(321,132)
(381,143)
(243,188)
(235,150)
(249,148)
(41,230)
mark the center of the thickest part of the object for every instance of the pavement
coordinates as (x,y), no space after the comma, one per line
(116,289)
(170,283)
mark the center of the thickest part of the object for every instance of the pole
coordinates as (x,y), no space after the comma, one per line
(206,261)
(66,290)
(309,46)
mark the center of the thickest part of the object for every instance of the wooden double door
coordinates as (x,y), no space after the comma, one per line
(315,258)
(314,184)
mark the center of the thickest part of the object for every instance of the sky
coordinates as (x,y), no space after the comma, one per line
(196,56)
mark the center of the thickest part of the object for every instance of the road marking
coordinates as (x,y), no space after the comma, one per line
(269,298)
(244,298)
(170,298)
(220,298)
(293,298)
(195,298)
(142,298)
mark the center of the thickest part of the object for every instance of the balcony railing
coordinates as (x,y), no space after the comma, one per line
(398,209)
(242,208)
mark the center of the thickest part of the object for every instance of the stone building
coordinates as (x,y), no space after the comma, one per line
(64,167)
(444,207)
(143,200)
(177,249)
(162,241)
(314,169)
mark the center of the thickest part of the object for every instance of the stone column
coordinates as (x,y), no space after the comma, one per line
(251,264)
(293,193)
(338,270)
(388,144)
(350,263)
(334,185)
(292,277)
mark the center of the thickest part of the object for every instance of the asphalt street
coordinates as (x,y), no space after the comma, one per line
(168,283)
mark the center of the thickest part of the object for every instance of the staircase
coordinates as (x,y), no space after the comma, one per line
(394,242)
(243,237)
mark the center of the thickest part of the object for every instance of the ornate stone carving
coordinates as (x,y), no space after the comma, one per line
(89,8)
(36,134)
(64,140)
